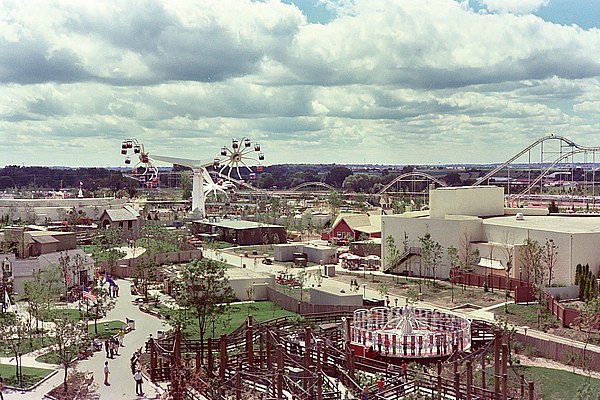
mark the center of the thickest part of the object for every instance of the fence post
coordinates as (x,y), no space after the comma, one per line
(483,370)
(279,371)
(469,379)
(269,349)
(531,391)
(250,341)
(497,345)
(222,357)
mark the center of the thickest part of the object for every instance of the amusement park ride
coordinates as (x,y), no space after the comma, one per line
(241,153)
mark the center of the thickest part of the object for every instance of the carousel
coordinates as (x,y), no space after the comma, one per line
(408,333)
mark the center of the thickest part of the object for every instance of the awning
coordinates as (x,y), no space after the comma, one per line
(490,263)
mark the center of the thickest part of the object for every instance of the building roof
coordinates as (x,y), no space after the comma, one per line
(237,224)
(553,223)
(45,239)
(126,213)
(54,258)
(368,223)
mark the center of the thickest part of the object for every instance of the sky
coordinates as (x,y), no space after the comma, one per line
(313,81)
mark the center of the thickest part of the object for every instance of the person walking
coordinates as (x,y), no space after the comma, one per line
(121,337)
(139,379)
(365,393)
(106,373)
(380,384)
(106,347)
(404,370)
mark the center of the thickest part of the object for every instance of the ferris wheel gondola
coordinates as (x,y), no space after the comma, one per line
(144,171)
(236,156)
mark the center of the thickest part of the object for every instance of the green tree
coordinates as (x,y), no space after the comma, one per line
(337,175)
(335,202)
(204,288)
(532,259)
(392,252)
(185,182)
(588,322)
(70,338)
(452,253)
(17,330)
(431,254)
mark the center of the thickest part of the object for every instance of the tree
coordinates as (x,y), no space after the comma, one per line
(17,330)
(143,273)
(185,182)
(335,202)
(392,252)
(452,253)
(588,321)
(70,338)
(104,303)
(431,253)
(204,287)
(549,257)
(534,267)
(337,175)
(509,254)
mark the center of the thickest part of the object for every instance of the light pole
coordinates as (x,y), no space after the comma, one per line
(364,289)
(525,328)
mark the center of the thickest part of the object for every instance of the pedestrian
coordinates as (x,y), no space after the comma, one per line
(121,337)
(106,372)
(365,393)
(404,369)
(139,379)
(380,384)
(1,387)
(106,347)
(396,302)
(115,346)
(133,363)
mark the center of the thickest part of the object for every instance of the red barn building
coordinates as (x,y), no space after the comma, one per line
(355,227)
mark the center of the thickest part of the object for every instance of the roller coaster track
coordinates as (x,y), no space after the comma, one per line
(411,174)
(307,184)
(548,169)
(569,142)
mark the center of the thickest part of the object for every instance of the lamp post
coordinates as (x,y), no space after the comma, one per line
(525,328)
(364,289)
(213,318)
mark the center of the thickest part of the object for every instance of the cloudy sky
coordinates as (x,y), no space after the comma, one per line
(318,81)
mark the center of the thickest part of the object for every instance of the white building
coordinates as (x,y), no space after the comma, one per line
(475,217)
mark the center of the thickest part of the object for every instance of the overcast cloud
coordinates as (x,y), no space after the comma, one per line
(381,81)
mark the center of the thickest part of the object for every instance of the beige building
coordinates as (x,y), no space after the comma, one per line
(475,218)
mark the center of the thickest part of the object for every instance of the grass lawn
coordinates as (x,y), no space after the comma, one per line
(526,314)
(556,384)
(105,329)
(30,375)
(72,314)
(224,324)
(26,346)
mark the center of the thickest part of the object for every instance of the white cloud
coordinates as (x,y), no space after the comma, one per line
(514,6)
(385,80)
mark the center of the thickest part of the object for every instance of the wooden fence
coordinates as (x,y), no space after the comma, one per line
(524,292)
(292,304)
(564,353)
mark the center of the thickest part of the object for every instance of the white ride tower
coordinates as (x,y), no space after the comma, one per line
(240,154)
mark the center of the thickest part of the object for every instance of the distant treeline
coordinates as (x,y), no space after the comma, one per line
(17,177)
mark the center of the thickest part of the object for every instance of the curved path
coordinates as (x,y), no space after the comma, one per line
(122,384)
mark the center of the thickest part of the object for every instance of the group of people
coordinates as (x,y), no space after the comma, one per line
(112,344)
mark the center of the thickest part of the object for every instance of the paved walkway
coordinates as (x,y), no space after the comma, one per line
(122,384)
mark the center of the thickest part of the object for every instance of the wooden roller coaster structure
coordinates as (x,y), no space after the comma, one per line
(311,358)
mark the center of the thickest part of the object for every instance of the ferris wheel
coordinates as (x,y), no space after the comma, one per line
(240,154)
(144,170)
